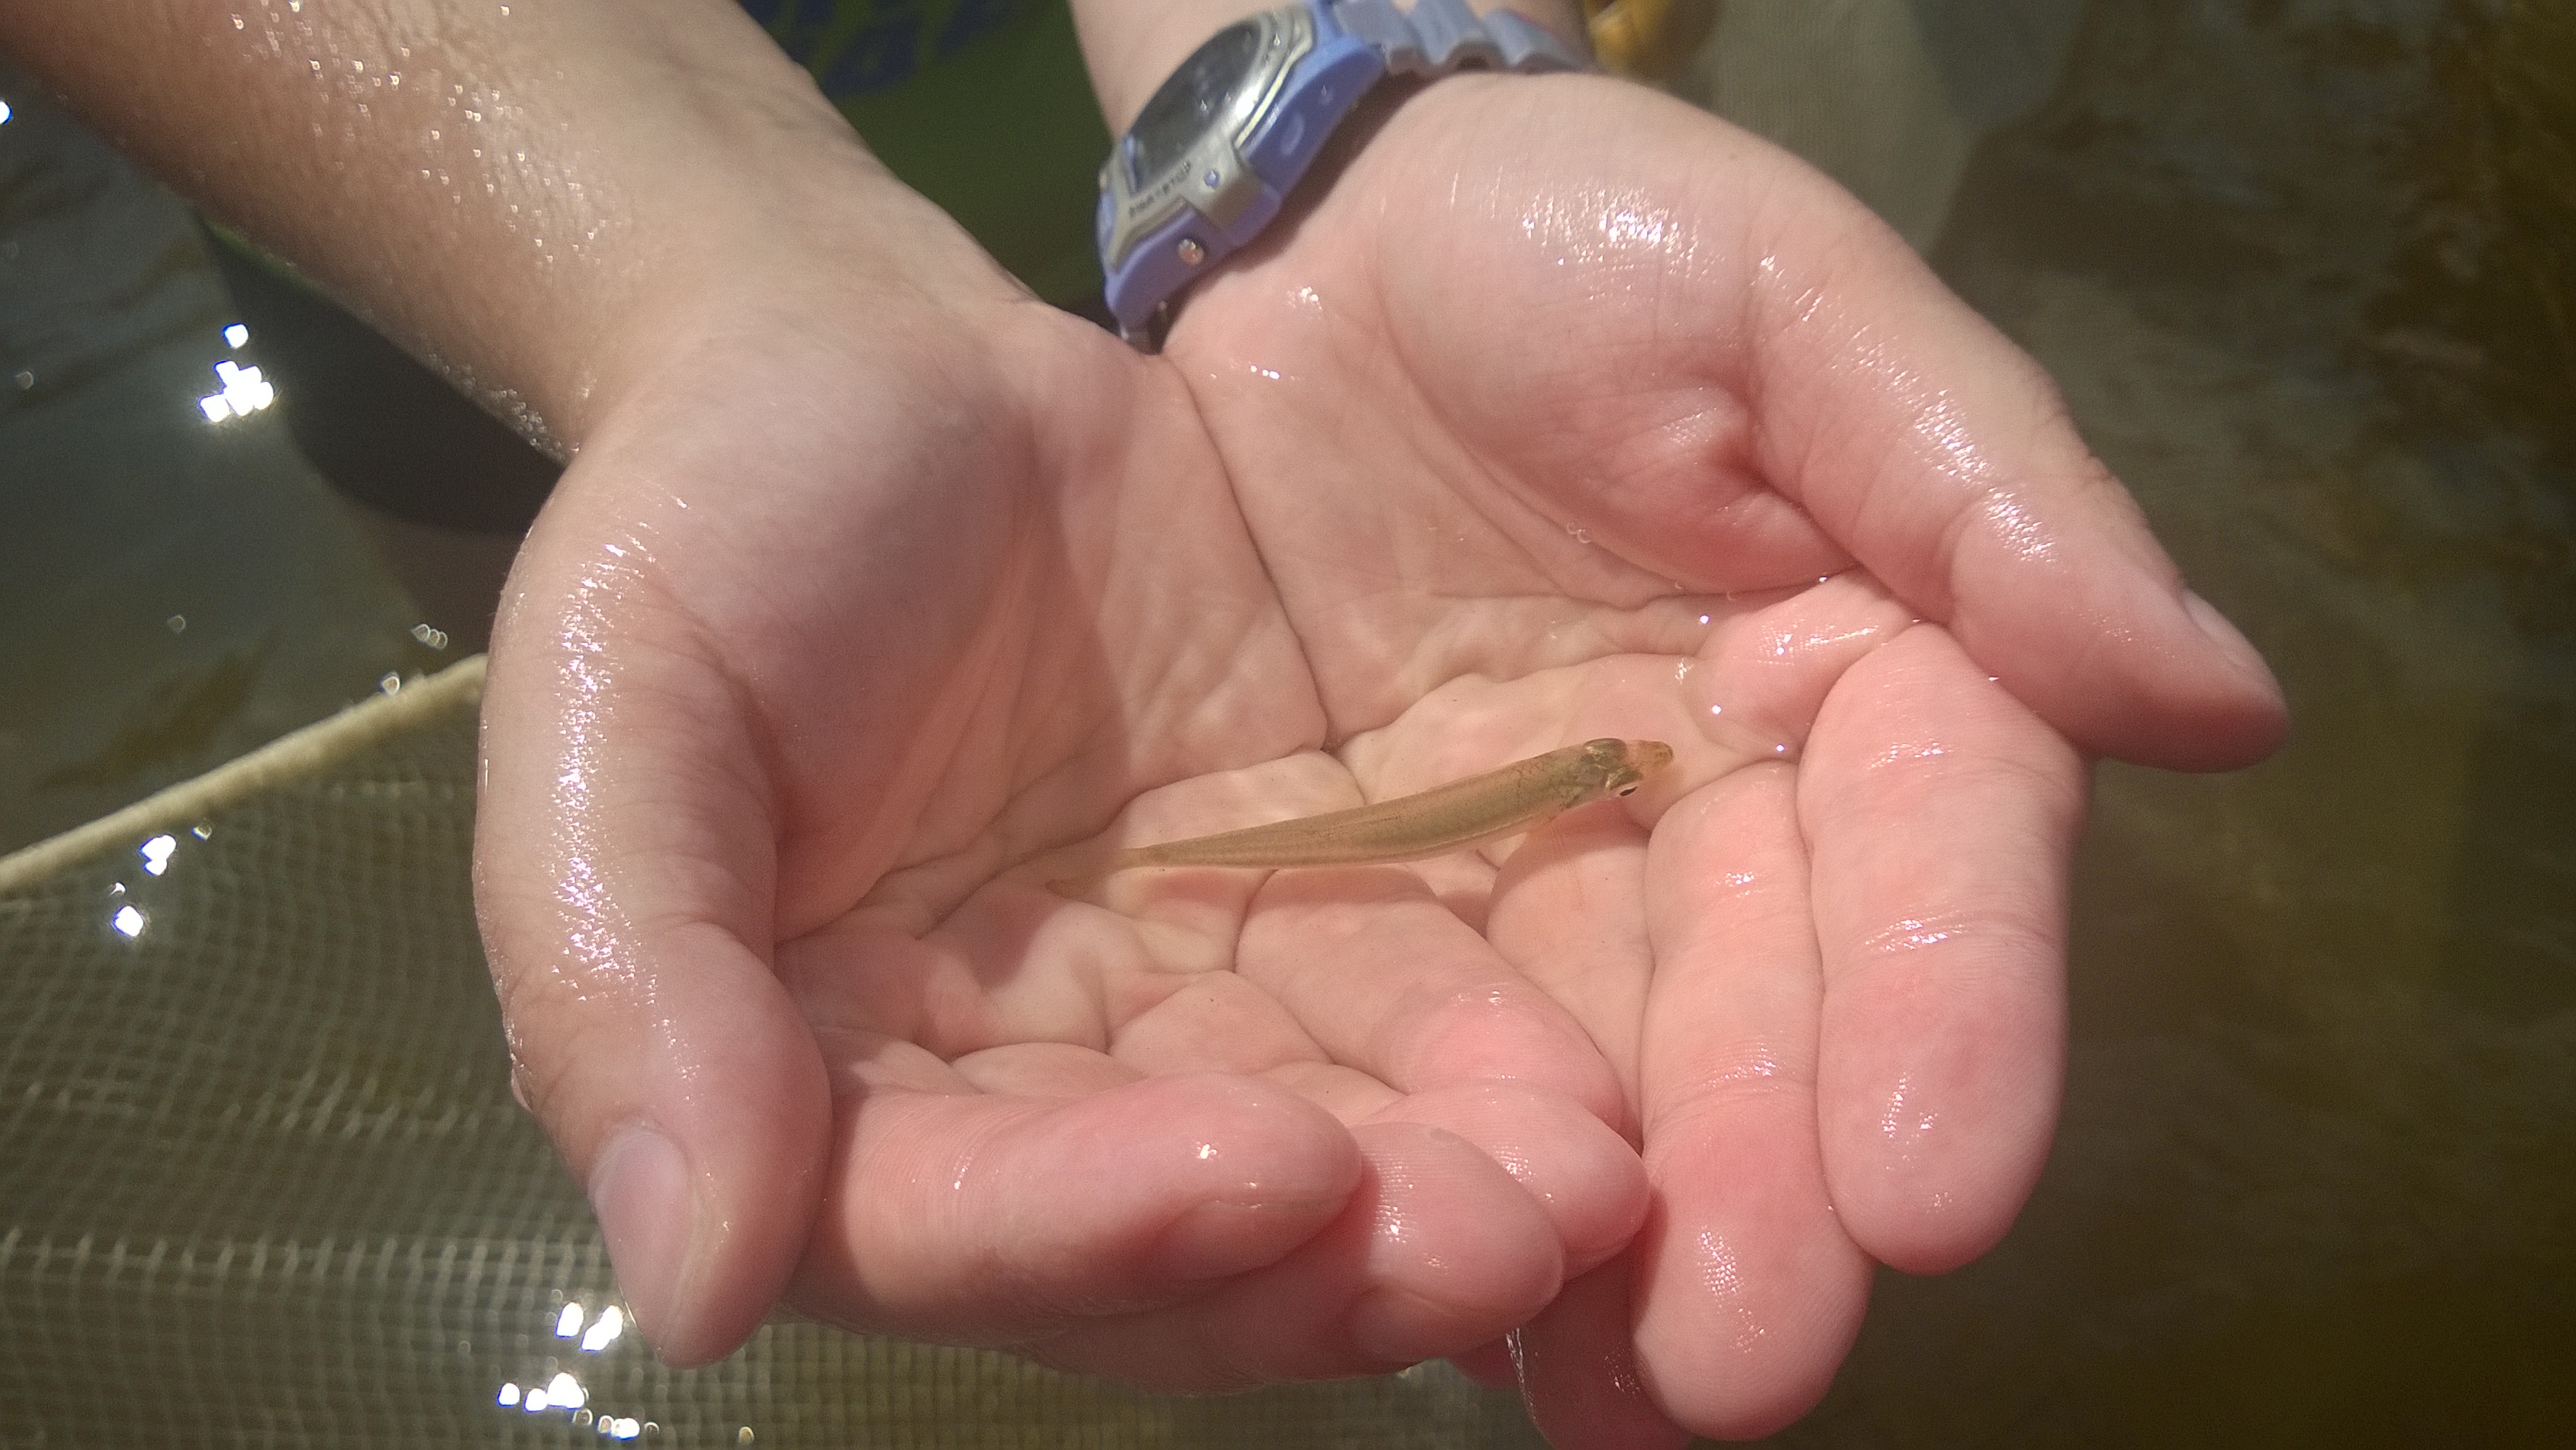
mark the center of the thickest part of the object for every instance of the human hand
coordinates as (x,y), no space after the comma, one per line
(1567,411)
(868,589)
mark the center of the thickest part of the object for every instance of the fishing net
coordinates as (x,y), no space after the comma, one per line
(262,1181)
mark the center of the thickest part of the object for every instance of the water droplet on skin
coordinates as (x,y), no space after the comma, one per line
(1580,536)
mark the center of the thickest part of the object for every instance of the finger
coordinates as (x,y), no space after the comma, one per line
(1941,817)
(1386,980)
(1581,1172)
(1568,911)
(1763,674)
(1751,378)
(622,893)
(1438,1251)
(1578,1370)
(1749,1291)
(1584,1176)
(1218,1022)
(1943,457)
(969,1218)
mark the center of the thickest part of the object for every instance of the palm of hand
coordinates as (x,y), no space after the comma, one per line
(1493,417)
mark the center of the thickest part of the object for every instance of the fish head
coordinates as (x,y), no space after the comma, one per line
(1618,767)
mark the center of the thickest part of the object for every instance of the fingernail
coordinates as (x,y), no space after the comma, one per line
(2213,624)
(639,1188)
(2239,650)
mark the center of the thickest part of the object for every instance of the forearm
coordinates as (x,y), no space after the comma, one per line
(1131,45)
(521,192)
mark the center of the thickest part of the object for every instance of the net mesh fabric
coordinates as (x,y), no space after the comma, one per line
(262,1181)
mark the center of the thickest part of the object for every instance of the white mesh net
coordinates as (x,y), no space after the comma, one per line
(262,1181)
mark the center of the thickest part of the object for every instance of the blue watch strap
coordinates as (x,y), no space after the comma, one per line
(1439,36)
(1434,38)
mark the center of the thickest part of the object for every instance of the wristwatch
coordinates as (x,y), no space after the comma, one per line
(1218,148)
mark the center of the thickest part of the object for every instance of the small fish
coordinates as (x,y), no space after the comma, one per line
(1518,797)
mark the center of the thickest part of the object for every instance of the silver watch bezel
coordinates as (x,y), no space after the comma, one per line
(1212,177)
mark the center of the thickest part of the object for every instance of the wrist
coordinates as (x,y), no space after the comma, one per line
(684,183)
(811,235)
(1212,159)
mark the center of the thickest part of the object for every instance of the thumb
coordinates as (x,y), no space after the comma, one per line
(1942,457)
(623,887)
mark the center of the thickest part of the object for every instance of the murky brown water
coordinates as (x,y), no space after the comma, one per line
(2304,272)
(172,592)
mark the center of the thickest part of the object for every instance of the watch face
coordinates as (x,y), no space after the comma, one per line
(1182,154)
(1196,99)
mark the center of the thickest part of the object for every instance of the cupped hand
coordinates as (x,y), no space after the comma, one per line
(1569,410)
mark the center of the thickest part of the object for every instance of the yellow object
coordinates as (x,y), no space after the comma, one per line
(1518,797)
(1648,39)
